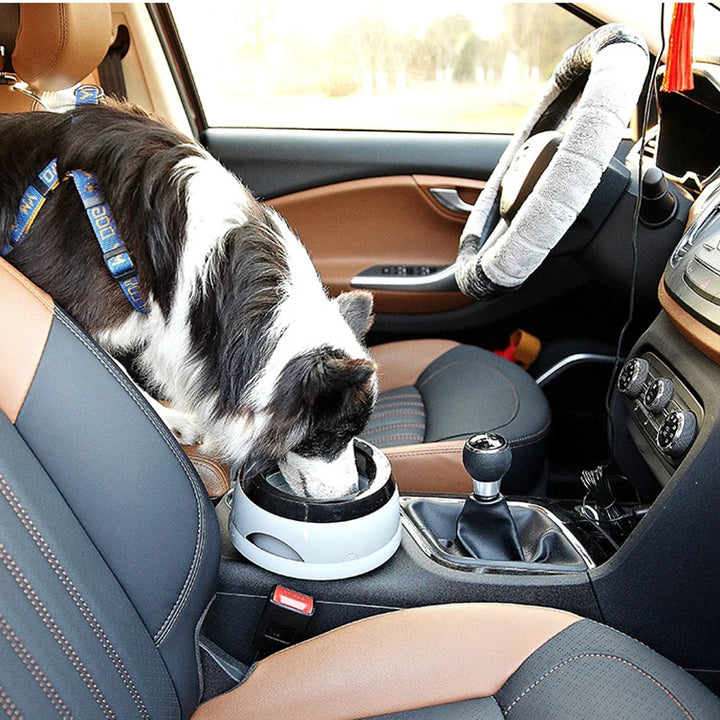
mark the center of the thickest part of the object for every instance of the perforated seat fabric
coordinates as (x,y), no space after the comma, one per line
(434,394)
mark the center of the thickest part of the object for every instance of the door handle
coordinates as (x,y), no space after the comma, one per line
(450,199)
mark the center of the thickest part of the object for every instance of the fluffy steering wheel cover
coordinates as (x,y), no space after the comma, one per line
(494,257)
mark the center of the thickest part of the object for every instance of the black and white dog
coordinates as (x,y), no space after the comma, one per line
(241,340)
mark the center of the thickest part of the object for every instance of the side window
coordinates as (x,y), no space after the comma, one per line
(460,66)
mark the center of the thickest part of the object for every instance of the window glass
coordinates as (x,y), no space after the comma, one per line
(451,66)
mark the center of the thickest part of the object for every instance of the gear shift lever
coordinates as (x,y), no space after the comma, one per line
(485,527)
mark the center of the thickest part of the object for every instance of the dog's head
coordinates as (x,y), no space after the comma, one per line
(322,399)
(290,380)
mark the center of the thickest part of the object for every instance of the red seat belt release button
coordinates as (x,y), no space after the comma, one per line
(293,600)
(283,621)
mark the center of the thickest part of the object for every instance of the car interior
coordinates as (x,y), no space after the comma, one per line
(556,533)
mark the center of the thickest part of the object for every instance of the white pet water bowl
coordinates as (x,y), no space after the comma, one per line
(318,539)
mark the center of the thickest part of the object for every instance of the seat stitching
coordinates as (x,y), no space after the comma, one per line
(534,435)
(74,594)
(384,407)
(385,404)
(603,656)
(387,423)
(28,286)
(524,444)
(389,396)
(417,438)
(375,424)
(51,624)
(192,574)
(61,43)
(394,426)
(437,372)
(404,396)
(8,705)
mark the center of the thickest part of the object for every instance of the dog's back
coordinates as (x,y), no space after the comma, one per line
(60,253)
(238,318)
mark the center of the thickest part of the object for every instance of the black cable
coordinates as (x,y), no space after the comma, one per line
(652,88)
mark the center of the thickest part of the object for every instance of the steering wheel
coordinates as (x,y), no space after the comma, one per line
(544,178)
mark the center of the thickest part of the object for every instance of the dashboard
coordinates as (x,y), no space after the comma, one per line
(692,275)
(664,391)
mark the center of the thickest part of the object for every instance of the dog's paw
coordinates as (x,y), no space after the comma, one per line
(208,447)
(184,426)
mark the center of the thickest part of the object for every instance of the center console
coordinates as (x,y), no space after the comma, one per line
(649,570)
(484,531)
(554,548)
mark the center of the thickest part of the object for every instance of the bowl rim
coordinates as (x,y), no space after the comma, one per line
(380,490)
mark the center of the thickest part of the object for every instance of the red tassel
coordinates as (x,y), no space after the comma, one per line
(678,71)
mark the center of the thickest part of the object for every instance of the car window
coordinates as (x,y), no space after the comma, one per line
(448,66)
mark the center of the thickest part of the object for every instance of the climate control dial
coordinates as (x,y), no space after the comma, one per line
(677,433)
(658,394)
(633,376)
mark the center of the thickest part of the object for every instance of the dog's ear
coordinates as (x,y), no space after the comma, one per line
(356,307)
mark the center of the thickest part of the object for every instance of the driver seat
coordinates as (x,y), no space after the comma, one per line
(109,555)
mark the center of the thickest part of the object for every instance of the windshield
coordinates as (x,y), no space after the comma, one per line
(459,65)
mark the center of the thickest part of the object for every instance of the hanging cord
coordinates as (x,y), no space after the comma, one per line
(636,221)
(596,481)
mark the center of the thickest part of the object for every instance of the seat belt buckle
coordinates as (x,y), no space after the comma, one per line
(283,621)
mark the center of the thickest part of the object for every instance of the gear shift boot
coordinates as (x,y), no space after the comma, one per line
(486,529)
(548,535)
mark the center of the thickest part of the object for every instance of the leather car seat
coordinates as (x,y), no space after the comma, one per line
(436,393)
(50,47)
(109,554)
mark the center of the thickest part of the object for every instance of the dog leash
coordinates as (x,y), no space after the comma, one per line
(115,254)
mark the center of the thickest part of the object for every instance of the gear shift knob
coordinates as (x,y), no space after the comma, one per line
(487,458)
(485,526)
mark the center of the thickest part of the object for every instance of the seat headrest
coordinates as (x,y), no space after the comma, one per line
(59,44)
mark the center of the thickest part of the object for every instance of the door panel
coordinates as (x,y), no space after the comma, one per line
(273,163)
(389,221)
